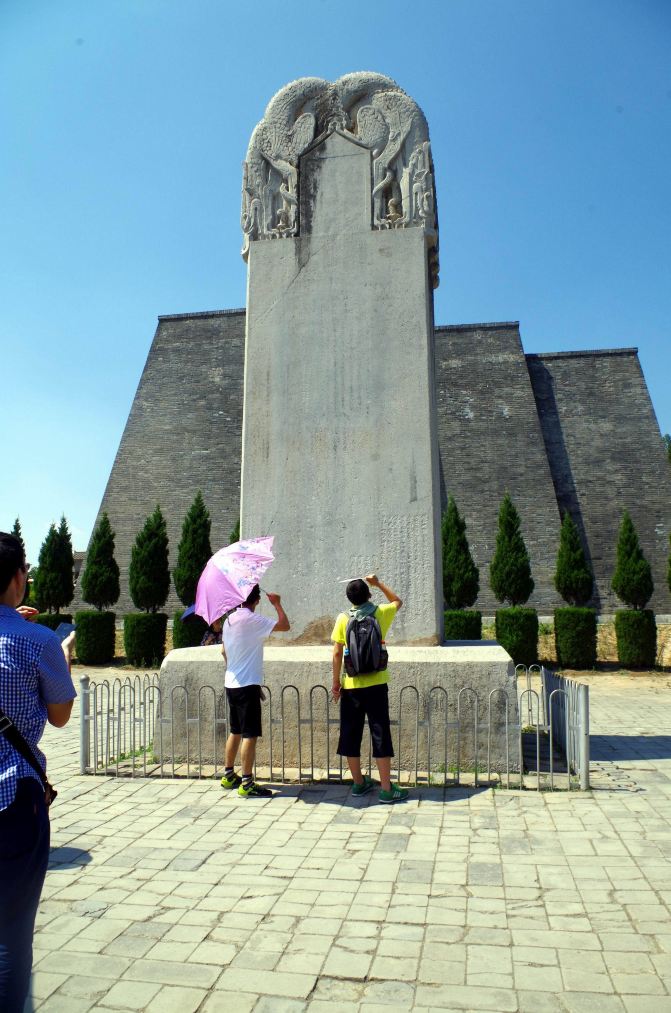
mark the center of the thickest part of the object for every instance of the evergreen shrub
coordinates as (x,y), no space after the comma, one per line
(510,569)
(517,632)
(461,624)
(148,574)
(188,634)
(573,575)
(54,582)
(100,579)
(53,619)
(575,637)
(632,580)
(95,637)
(636,635)
(193,552)
(144,638)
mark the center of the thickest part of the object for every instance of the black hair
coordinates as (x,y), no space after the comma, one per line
(253,596)
(358,591)
(12,558)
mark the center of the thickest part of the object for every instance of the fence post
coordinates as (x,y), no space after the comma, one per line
(85,724)
(583,713)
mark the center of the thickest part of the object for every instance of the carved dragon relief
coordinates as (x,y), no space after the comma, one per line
(370,107)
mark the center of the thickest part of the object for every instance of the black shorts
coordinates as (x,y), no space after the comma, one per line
(356,705)
(245,708)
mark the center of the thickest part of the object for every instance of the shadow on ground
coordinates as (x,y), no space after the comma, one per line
(630,747)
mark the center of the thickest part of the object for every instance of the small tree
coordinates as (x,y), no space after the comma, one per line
(510,569)
(193,552)
(148,574)
(235,533)
(667,443)
(461,577)
(54,583)
(573,577)
(16,531)
(100,579)
(632,580)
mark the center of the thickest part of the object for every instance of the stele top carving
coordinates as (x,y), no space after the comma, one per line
(373,109)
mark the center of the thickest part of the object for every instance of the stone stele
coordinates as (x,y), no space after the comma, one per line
(339,447)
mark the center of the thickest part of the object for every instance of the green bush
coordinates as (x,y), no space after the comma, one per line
(573,576)
(188,634)
(575,637)
(461,578)
(636,635)
(100,579)
(148,573)
(95,637)
(463,625)
(510,569)
(53,619)
(54,582)
(517,632)
(144,637)
(632,580)
(193,552)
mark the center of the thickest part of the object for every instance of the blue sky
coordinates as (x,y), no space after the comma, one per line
(124,124)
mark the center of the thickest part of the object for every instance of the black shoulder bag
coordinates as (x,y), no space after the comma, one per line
(16,739)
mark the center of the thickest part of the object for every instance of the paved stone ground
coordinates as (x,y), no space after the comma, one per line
(167,896)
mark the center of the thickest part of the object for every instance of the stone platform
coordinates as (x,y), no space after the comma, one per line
(429,688)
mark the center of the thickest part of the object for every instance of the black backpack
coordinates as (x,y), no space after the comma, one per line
(366,653)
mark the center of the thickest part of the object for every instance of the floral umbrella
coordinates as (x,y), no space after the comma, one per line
(230,575)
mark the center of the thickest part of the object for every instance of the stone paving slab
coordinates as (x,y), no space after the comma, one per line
(174,895)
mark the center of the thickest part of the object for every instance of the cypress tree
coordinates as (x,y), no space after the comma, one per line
(100,579)
(148,574)
(632,580)
(16,531)
(235,533)
(46,580)
(66,565)
(461,577)
(193,552)
(510,569)
(573,577)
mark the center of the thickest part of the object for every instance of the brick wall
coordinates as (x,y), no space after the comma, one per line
(606,455)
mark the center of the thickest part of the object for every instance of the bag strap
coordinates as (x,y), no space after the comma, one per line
(16,739)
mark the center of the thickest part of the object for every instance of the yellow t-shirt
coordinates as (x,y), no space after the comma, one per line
(385,615)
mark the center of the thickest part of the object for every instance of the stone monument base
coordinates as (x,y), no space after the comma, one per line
(434,695)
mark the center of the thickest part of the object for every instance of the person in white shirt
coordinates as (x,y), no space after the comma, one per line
(243,635)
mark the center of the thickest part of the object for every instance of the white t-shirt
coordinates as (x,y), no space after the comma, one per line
(244,632)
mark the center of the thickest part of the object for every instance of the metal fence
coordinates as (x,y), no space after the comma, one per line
(131,728)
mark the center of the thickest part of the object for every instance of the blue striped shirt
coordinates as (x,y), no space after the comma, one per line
(33,673)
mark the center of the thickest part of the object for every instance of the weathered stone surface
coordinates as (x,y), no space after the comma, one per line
(298,680)
(340,460)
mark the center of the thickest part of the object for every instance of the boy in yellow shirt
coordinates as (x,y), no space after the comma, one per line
(365,694)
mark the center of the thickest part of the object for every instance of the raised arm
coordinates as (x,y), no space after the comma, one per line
(374,581)
(282,625)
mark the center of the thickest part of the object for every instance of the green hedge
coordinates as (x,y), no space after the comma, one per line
(144,638)
(636,635)
(95,637)
(53,619)
(517,632)
(188,634)
(461,624)
(575,637)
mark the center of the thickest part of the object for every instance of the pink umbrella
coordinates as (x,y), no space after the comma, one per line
(230,575)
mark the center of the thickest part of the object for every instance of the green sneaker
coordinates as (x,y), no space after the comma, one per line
(254,791)
(395,795)
(364,787)
(231,782)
